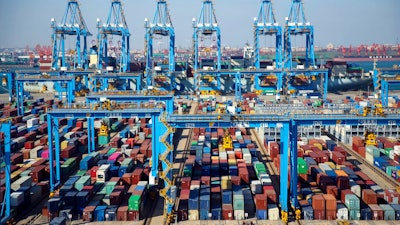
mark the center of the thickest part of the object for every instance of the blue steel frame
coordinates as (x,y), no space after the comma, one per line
(5,212)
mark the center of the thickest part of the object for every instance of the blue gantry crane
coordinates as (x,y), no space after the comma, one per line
(385,79)
(115,25)
(265,24)
(71,24)
(5,157)
(158,73)
(296,24)
(206,27)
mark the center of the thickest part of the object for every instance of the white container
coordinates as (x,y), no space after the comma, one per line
(324,167)
(106,200)
(256,187)
(17,198)
(342,212)
(194,186)
(101,173)
(33,153)
(239,214)
(193,215)
(21,182)
(32,122)
(69,135)
(273,212)
(355,188)
(369,158)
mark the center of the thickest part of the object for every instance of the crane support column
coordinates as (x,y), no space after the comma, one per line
(284,173)
(293,169)
(5,212)
(91,135)
(53,130)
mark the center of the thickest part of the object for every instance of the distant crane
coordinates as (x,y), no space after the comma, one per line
(265,24)
(206,26)
(71,24)
(115,25)
(161,25)
(296,24)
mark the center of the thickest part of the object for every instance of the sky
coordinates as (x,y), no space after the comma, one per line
(341,22)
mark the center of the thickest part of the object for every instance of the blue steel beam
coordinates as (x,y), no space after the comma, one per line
(309,73)
(8,80)
(103,78)
(68,80)
(161,25)
(387,85)
(206,25)
(115,25)
(72,24)
(5,212)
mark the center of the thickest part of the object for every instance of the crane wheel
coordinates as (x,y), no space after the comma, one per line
(284,216)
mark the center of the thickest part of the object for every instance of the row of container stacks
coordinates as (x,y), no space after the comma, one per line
(330,187)
(385,156)
(113,179)
(222,183)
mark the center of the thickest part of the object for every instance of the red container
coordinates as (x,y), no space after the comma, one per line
(363,176)
(343,194)
(136,175)
(338,158)
(333,190)
(318,203)
(357,140)
(330,214)
(184,195)
(349,164)
(377,212)
(343,183)
(205,180)
(133,216)
(127,178)
(88,212)
(185,183)
(235,180)
(369,196)
(116,197)
(39,162)
(271,196)
(319,214)
(17,158)
(38,173)
(244,175)
(261,201)
(29,144)
(227,212)
(330,202)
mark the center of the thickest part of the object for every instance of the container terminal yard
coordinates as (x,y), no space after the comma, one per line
(96,143)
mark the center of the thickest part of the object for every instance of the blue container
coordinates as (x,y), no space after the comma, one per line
(193,204)
(111,213)
(69,198)
(216,213)
(99,213)
(310,161)
(204,214)
(206,170)
(58,221)
(262,214)
(331,174)
(66,212)
(330,144)
(227,197)
(86,163)
(54,204)
(308,213)
(365,213)
(81,200)
(233,170)
(204,204)
(396,208)
(113,171)
(65,188)
(71,122)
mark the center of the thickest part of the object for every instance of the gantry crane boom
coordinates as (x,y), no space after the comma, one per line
(296,24)
(206,25)
(265,24)
(161,25)
(115,25)
(71,24)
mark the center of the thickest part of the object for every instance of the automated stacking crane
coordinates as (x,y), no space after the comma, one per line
(385,80)
(265,24)
(71,24)
(115,25)
(157,76)
(207,27)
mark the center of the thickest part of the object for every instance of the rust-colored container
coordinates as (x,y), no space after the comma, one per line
(88,212)
(133,216)
(136,175)
(330,202)
(369,196)
(261,201)
(235,180)
(244,175)
(318,202)
(333,190)
(330,214)
(377,212)
(271,196)
(38,173)
(343,194)
(205,180)
(319,214)
(122,213)
(338,158)
(227,212)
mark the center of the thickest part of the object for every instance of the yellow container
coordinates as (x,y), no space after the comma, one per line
(64,144)
(331,165)
(318,145)
(232,162)
(226,183)
(341,173)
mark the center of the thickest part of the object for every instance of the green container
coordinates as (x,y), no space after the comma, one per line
(352,202)
(302,166)
(43,117)
(259,168)
(134,203)
(387,151)
(81,173)
(354,214)
(104,139)
(238,202)
(111,151)
(187,171)
(194,143)
(388,212)
(110,187)
(389,170)
(83,181)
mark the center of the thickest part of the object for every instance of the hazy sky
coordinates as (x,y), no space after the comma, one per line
(341,22)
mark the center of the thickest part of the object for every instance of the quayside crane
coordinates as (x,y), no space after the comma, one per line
(158,75)
(116,26)
(265,25)
(206,28)
(71,24)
